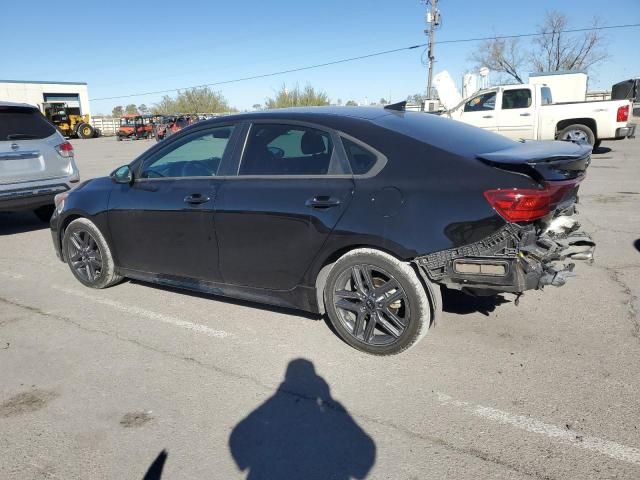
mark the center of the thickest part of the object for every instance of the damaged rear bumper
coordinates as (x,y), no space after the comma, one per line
(513,259)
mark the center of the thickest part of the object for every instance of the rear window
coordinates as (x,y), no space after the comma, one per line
(519,98)
(361,159)
(23,123)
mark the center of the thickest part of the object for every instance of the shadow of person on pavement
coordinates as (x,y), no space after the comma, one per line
(155,470)
(302,433)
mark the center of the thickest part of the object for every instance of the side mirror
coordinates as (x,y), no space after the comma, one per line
(123,175)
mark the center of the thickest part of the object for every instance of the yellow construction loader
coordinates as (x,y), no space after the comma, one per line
(69,121)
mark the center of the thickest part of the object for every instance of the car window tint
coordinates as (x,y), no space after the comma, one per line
(198,155)
(479,103)
(23,123)
(520,98)
(360,159)
(286,150)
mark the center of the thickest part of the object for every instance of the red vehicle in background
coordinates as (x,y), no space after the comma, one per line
(171,124)
(135,127)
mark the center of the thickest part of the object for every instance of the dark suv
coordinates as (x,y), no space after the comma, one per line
(361,213)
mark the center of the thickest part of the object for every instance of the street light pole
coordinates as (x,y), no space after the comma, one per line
(433,19)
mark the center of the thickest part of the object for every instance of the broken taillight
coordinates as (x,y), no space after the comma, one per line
(65,149)
(529,204)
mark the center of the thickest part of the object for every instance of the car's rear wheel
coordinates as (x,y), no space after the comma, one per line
(44,213)
(578,133)
(88,254)
(377,303)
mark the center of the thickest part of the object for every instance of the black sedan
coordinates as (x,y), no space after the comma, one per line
(359,213)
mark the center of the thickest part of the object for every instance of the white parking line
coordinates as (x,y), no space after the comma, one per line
(606,447)
(141,312)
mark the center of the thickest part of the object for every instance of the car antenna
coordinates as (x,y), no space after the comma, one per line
(399,107)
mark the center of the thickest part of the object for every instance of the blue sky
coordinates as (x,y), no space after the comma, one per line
(121,48)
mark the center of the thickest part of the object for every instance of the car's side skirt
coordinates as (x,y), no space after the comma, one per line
(299,298)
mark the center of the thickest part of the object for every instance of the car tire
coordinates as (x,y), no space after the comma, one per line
(44,213)
(597,144)
(578,132)
(88,255)
(84,131)
(389,292)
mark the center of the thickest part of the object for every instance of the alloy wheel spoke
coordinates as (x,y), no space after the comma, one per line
(356,273)
(358,327)
(371,325)
(386,287)
(348,294)
(366,273)
(394,297)
(388,326)
(395,319)
(345,304)
(95,262)
(89,271)
(76,240)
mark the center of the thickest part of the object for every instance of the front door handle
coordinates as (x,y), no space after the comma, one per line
(196,199)
(525,114)
(487,116)
(322,201)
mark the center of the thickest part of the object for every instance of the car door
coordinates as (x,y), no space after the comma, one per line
(517,114)
(292,187)
(480,111)
(164,222)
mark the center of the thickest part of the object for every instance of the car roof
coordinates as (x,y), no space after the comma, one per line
(14,104)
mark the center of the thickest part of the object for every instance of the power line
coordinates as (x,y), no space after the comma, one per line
(362,57)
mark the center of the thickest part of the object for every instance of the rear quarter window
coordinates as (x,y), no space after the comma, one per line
(361,159)
(23,123)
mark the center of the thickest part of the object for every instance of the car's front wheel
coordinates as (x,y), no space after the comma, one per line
(88,254)
(377,303)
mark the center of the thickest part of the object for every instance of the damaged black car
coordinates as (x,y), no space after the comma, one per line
(359,213)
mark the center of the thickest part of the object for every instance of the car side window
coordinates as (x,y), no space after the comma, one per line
(547,99)
(360,158)
(274,149)
(518,98)
(197,155)
(480,103)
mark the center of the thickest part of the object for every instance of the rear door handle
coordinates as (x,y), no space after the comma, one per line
(487,116)
(525,114)
(322,201)
(196,199)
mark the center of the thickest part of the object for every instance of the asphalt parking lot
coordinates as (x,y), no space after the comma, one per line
(97,384)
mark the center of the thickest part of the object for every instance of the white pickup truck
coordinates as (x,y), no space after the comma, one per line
(528,112)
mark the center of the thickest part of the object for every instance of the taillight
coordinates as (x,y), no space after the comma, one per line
(65,150)
(623,114)
(528,204)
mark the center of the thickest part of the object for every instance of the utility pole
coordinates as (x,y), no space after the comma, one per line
(433,20)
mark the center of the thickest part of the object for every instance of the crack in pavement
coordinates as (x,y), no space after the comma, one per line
(470,451)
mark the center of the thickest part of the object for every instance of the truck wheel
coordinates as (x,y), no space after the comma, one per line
(97,133)
(119,138)
(377,303)
(578,133)
(85,131)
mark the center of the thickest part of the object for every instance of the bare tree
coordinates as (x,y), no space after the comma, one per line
(557,50)
(503,56)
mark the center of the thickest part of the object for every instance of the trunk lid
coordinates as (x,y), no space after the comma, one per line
(543,160)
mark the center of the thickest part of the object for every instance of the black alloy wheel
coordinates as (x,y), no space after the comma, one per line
(85,256)
(371,305)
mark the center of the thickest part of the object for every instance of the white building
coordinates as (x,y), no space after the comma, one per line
(74,94)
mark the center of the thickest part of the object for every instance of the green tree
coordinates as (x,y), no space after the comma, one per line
(383,101)
(257,106)
(297,97)
(131,109)
(117,111)
(351,103)
(193,101)
(416,98)
(143,109)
